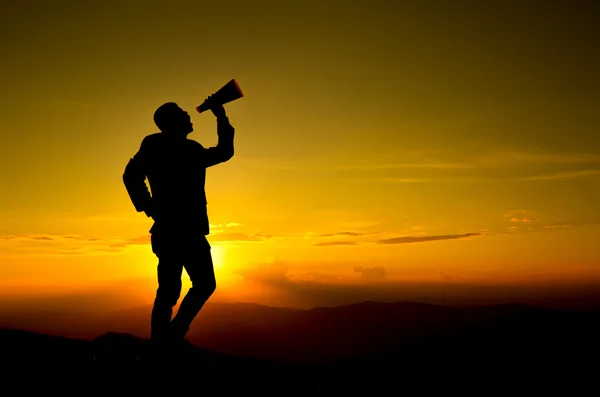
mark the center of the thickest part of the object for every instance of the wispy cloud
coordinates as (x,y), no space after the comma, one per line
(139,240)
(333,243)
(405,180)
(563,175)
(525,219)
(230,224)
(440,160)
(85,245)
(514,212)
(473,167)
(456,179)
(373,166)
(443,275)
(371,273)
(558,226)
(440,165)
(511,157)
(352,234)
(30,237)
(272,272)
(421,239)
(68,244)
(223,237)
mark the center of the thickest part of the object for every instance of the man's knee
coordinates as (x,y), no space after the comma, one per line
(167,296)
(201,292)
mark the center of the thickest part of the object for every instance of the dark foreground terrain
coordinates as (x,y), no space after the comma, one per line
(379,347)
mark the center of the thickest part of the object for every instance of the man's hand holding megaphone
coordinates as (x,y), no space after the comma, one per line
(229,92)
(216,107)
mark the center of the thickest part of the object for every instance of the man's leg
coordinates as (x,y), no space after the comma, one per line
(169,270)
(199,267)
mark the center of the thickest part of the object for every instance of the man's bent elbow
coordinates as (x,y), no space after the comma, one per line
(229,154)
(226,154)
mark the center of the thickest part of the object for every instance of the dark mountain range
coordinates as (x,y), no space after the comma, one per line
(363,346)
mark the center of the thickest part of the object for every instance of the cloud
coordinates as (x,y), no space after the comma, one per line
(562,175)
(374,166)
(509,157)
(68,244)
(139,240)
(439,165)
(558,226)
(230,224)
(371,273)
(442,166)
(337,234)
(353,234)
(333,243)
(29,237)
(274,272)
(223,237)
(460,179)
(272,284)
(501,157)
(404,180)
(515,212)
(443,275)
(420,239)
(315,277)
(525,219)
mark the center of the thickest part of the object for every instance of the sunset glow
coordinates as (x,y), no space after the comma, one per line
(382,146)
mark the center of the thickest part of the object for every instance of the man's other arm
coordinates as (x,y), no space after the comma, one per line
(134,179)
(224,149)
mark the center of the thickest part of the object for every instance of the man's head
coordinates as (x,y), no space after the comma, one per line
(170,118)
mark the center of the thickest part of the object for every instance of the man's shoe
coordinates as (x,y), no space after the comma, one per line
(177,331)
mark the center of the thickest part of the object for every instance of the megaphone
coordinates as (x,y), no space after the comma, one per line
(229,92)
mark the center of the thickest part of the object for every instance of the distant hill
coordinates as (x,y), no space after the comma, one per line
(325,334)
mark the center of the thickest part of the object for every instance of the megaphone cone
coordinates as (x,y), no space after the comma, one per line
(229,92)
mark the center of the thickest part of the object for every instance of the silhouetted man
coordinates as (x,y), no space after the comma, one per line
(176,168)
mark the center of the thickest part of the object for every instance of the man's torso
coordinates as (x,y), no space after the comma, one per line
(176,175)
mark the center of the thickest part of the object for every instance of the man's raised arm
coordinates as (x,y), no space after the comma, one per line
(224,149)
(134,179)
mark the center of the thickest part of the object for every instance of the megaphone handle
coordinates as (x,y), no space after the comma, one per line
(205,105)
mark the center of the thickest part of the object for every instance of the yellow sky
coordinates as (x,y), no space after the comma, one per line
(440,141)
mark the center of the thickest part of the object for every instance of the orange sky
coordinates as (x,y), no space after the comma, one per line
(377,141)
